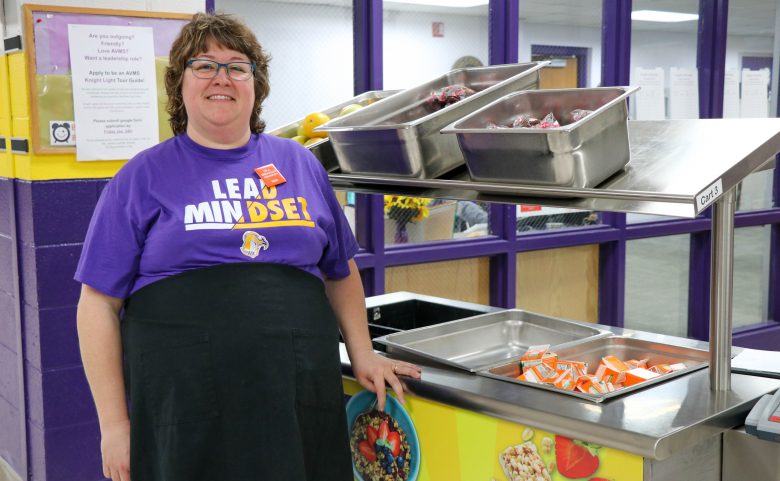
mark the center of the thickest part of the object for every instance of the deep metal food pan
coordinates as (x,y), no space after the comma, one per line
(578,154)
(400,137)
(323,149)
(624,348)
(478,342)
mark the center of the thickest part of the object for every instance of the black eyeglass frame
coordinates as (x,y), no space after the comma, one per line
(219,66)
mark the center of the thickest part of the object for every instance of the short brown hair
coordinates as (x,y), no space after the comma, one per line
(230,33)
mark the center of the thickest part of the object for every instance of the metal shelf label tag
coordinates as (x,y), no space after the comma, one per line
(709,195)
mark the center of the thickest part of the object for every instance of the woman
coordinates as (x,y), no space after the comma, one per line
(233,283)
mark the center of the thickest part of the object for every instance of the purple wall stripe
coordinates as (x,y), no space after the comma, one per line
(503,18)
(615,42)
(40,224)
(369,209)
(503,24)
(663,228)
(566,238)
(58,454)
(50,337)
(765,336)
(612,272)
(615,70)
(699,286)
(431,252)
(711,56)
(503,267)
(367,44)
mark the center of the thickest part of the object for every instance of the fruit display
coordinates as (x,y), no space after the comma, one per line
(305,134)
(448,95)
(539,365)
(380,451)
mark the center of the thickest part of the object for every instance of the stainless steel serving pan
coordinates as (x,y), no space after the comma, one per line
(322,149)
(623,348)
(581,154)
(486,340)
(400,137)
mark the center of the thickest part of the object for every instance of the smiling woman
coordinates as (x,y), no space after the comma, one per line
(207,243)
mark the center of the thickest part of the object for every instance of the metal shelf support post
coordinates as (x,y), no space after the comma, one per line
(721,280)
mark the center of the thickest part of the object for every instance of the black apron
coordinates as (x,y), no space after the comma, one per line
(233,373)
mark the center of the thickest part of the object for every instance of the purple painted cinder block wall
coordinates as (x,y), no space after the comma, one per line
(11,448)
(63,436)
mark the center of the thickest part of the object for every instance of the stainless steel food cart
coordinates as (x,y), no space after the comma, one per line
(677,168)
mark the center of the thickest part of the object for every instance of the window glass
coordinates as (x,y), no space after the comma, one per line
(656,290)
(422,43)
(568,34)
(311,48)
(748,83)
(663,64)
(751,275)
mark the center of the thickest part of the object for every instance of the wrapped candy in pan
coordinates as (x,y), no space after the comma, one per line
(448,95)
(578,114)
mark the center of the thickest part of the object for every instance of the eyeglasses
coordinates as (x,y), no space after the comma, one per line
(208,69)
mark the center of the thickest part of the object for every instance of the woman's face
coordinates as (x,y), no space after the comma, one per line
(218,109)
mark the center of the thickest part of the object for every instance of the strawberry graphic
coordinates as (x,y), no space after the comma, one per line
(575,459)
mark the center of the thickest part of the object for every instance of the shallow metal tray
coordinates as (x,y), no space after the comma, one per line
(623,348)
(400,137)
(482,341)
(578,154)
(323,149)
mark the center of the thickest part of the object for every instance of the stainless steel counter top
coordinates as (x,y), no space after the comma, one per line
(655,422)
(671,163)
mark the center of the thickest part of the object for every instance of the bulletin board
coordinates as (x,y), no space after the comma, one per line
(49,71)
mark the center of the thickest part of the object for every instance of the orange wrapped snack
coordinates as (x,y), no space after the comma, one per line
(637,375)
(679,366)
(565,381)
(614,364)
(637,363)
(661,368)
(535,352)
(607,374)
(578,368)
(543,372)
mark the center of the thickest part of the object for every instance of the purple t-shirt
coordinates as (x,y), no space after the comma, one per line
(180,206)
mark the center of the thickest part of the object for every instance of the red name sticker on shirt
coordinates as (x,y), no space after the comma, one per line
(270,175)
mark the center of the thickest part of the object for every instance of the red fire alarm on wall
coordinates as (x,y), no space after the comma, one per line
(438,29)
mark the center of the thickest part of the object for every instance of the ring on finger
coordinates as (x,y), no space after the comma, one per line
(395,368)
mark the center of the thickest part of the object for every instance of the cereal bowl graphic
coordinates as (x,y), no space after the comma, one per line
(252,243)
(384,445)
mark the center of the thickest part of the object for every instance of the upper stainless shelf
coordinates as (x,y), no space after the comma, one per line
(672,162)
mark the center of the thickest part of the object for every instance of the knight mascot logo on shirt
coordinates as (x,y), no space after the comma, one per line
(253,242)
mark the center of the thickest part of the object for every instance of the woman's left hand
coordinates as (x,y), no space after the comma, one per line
(372,371)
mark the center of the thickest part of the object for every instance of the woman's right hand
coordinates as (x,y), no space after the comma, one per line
(115,448)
